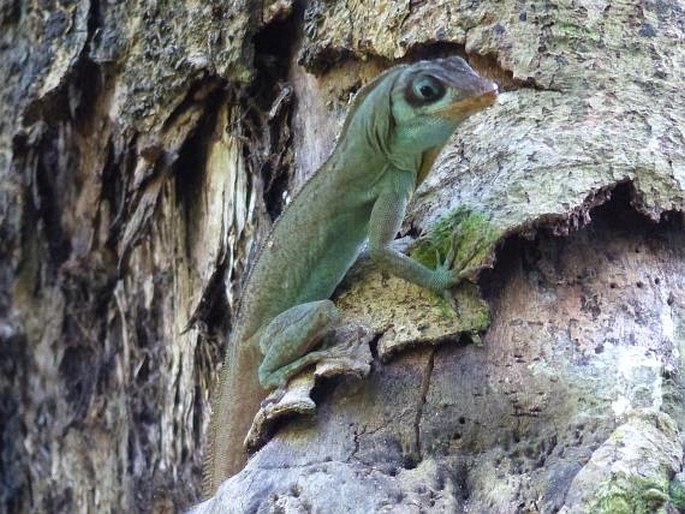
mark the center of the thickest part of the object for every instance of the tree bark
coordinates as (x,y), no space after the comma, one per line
(144,151)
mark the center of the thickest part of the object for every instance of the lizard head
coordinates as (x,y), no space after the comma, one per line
(430,98)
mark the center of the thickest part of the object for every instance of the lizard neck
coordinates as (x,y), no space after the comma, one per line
(367,147)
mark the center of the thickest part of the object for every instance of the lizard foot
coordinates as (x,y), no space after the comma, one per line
(349,355)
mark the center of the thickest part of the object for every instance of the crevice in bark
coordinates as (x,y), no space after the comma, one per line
(267,103)
(373,347)
(52,149)
(204,91)
(189,166)
(416,454)
(211,316)
(184,163)
(81,85)
(620,204)
(488,66)
(433,50)
(117,169)
(48,194)
(94,19)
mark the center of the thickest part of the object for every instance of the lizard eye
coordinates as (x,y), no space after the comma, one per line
(428,89)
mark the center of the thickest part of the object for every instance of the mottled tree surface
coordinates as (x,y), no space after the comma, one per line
(145,148)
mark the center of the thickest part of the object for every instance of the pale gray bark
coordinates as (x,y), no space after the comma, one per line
(574,401)
(138,172)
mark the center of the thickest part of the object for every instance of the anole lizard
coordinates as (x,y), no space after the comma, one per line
(395,129)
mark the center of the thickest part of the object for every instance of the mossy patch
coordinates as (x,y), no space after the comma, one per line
(469,232)
(637,495)
(472,313)
(676,493)
(471,237)
(577,32)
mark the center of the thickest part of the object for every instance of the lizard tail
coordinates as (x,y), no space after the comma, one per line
(231,418)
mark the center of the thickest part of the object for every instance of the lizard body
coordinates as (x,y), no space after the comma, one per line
(396,127)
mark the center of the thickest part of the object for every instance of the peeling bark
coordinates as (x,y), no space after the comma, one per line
(125,204)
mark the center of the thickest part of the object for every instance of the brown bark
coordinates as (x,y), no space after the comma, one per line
(144,149)
(124,205)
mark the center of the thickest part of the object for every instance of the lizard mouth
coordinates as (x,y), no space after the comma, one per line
(463,108)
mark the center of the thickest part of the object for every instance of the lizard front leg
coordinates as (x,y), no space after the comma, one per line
(386,218)
(286,342)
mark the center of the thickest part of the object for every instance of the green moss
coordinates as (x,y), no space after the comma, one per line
(637,495)
(676,492)
(615,505)
(578,33)
(473,237)
(468,310)
(471,234)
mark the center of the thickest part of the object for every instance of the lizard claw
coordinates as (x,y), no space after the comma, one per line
(448,262)
(446,266)
(444,273)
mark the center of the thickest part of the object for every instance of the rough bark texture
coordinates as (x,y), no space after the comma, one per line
(124,205)
(144,149)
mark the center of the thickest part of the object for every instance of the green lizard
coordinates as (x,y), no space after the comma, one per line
(395,129)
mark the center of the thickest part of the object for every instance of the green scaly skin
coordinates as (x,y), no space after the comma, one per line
(395,129)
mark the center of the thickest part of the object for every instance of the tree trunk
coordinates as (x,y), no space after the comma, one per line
(146,148)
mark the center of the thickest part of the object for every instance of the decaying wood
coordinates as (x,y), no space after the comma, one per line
(144,150)
(125,204)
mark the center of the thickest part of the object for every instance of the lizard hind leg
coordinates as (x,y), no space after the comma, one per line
(287,341)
